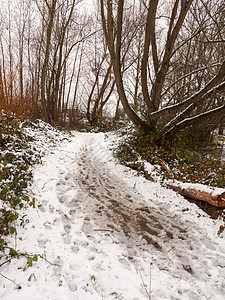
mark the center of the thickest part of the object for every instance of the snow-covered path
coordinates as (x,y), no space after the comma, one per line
(108,233)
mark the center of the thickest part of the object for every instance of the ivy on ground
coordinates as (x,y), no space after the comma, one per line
(183,159)
(187,161)
(16,158)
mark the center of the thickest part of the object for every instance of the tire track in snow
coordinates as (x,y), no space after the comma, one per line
(115,202)
(114,208)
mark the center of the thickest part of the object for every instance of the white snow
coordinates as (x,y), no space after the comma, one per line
(200,187)
(83,259)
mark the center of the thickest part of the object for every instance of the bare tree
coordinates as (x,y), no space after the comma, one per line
(160,58)
(100,70)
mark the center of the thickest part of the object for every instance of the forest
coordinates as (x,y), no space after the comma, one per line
(149,75)
(103,65)
(159,64)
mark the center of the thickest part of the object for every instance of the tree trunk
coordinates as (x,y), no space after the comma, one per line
(46,59)
(209,195)
(115,57)
(221,130)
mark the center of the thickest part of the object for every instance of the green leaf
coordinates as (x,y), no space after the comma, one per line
(35,258)
(14,217)
(12,230)
(12,253)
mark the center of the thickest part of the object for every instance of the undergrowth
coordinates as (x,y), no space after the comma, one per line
(104,125)
(22,145)
(182,159)
(17,155)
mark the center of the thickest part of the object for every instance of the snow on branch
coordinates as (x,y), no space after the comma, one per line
(216,83)
(183,113)
(196,119)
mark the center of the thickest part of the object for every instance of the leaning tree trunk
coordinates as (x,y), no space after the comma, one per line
(109,31)
(215,197)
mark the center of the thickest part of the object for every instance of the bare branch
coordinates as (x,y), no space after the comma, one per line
(194,120)
(212,84)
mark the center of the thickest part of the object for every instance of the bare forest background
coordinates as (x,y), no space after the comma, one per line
(160,64)
(155,69)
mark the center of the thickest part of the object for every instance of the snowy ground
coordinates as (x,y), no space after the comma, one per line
(109,234)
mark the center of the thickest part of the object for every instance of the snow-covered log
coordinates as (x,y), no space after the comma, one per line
(213,196)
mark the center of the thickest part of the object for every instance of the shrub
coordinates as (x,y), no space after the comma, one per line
(188,160)
(16,158)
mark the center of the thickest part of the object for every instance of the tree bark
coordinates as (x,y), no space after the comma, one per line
(46,58)
(208,196)
(172,34)
(109,32)
(149,37)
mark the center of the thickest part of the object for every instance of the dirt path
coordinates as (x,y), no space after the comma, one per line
(100,227)
(116,209)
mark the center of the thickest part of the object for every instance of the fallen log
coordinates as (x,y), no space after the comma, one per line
(215,197)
